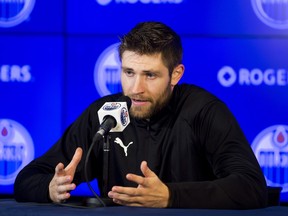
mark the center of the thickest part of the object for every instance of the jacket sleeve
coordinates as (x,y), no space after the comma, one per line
(239,182)
(32,182)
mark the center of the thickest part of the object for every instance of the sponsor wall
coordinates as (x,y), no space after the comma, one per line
(57,57)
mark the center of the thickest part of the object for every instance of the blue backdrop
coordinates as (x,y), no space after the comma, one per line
(57,57)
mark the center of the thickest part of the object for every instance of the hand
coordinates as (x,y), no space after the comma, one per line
(151,191)
(61,183)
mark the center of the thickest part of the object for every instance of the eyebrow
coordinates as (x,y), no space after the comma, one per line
(144,71)
(126,68)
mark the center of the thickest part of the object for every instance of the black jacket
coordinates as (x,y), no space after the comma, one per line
(194,145)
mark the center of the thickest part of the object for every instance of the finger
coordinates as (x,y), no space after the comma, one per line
(62,189)
(130,191)
(122,202)
(59,169)
(75,160)
(59,188)
(147,172)
(125,199)
(62,197)
(135,178)
(63,180)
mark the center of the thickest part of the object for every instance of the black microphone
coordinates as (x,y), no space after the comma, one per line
(114,116)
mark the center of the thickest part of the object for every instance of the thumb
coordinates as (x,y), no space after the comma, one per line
(76,159)
(147,172)
(71,168)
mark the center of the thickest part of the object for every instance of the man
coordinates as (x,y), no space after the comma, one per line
(184,148)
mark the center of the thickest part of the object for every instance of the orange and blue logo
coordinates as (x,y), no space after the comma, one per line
(272,13)
(271,149)
(12,12)
(16,150)
(107,71)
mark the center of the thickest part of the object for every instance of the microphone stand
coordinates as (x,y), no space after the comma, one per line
(105,201)
(98,202)
(105,176)
(106,150)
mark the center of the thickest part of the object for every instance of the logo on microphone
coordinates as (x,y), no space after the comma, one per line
(271,149)
(14,12)
(111,106)
(16,150)
(124,116)
(117,110)
(272,12)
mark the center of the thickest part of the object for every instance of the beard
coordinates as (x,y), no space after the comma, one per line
(155,106)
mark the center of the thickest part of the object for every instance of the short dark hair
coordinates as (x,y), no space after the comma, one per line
(148,38)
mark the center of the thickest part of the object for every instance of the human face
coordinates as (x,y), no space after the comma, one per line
(146,80)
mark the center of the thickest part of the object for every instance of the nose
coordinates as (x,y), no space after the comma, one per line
(138,86)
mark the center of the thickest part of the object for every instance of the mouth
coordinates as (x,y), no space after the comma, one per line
(139,102)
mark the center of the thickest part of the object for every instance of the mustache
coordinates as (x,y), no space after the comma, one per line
(139,97)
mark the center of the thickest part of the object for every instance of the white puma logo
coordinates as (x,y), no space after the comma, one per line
(125,148)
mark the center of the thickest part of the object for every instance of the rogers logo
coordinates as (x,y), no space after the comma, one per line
(106,2)
(227,77)
(15,73)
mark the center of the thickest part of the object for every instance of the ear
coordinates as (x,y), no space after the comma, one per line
(177,74)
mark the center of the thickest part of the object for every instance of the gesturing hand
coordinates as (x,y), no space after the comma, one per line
(61,183)
(151,191)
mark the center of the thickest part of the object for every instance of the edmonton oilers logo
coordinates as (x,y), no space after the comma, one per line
(16,150)
(14,12)
(273,13)
(271,149)
(107,71)
(112,106)
(124,116)
(103,2)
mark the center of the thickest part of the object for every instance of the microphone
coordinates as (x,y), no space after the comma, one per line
(114,116)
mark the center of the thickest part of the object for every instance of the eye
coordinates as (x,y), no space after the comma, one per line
(129,73)
(151,75)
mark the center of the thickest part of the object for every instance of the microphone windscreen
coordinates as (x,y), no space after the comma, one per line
(119,110)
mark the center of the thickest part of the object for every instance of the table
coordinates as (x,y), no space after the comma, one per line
(13,208)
